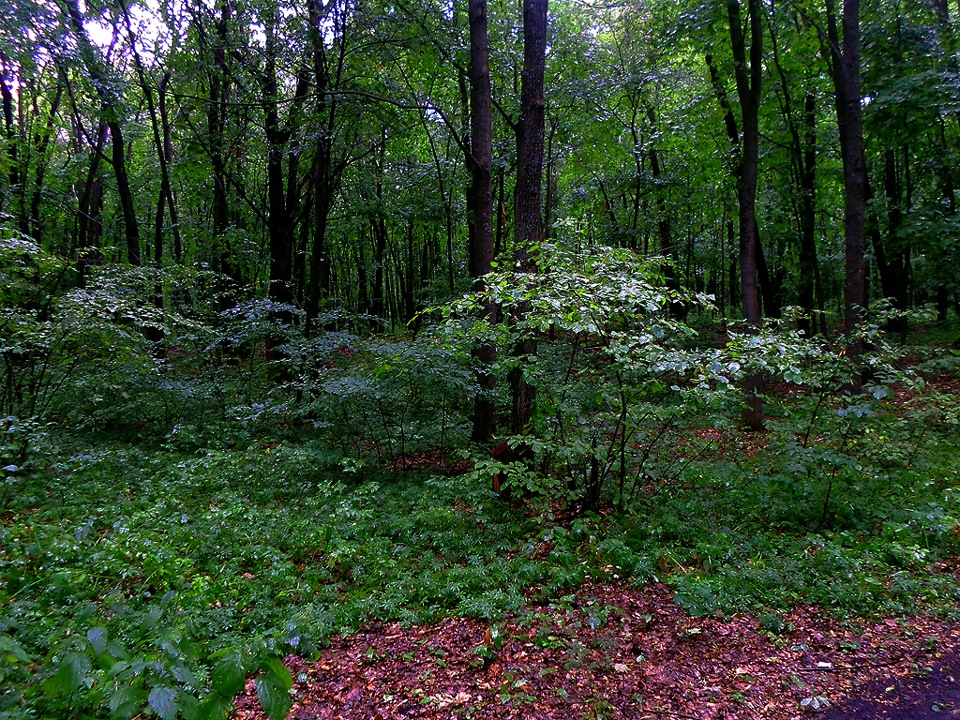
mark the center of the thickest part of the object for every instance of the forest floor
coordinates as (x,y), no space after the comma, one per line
(615,651)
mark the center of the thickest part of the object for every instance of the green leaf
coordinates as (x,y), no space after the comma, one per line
(228,674)
(152,618)
(189,706)
(163,700)
(183,674)
(126,702)
(98,639)
(68,677)
(273,697)
(278,672)
(12,650)
(213,707)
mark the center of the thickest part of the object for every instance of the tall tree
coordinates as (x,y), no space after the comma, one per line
(480,208)
(329,23)
(283,187)
(749,86)
(161,141)
(801,125)
(109,95)
(843,57)
(528,221)
(745,148)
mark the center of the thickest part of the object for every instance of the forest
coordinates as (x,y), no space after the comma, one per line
(438,359)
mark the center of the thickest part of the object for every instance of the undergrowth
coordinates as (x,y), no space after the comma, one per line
(145,568)
(179,515)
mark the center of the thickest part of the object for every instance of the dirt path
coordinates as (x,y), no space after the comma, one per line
(926,695)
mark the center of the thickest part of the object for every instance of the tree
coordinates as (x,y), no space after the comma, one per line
(745,149)
(480,205)
(800,119)
(161,139)
(108,91)
(528,220)
(843,58)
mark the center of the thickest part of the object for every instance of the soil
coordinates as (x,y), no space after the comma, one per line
(614,651)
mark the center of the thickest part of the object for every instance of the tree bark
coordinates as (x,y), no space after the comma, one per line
(216,128)
(748,90)
(282,183)
(91,197)
(167,144)
(844,60)
(166,193)
(480,209)
(745,148)
(323,176)
(10,128)
(528,221)
(42,142)
(809,267)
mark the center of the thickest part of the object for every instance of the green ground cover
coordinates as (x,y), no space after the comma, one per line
(126,571)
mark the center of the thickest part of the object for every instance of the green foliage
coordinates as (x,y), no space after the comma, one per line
(608,370)
(382,398)
(190,493)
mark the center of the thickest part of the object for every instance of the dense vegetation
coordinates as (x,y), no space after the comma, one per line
(266,307)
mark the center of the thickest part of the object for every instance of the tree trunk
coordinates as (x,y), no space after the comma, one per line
(282,183)
(747,165)
(10,128)
(844,60)
(167,153)
(216,128)
(527,212)
(748,90)
(91,197)
(324,175)
(809,267)
(36,229)
(110,110)
(480,205)
(664,230)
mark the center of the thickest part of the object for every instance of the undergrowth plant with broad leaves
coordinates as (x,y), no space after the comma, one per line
(619,380)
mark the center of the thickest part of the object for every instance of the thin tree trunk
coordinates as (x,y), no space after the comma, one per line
(166,194)
(111,114)
(282,184)
(746,150)
(664,230)
(809,267)
(91,197)
(42,143)
(167,154)
(10,128)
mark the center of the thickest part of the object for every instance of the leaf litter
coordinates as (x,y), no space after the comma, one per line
(616,651)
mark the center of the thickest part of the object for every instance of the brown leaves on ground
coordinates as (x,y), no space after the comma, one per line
(613,651)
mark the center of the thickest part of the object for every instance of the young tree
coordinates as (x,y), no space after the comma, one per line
(109,94)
